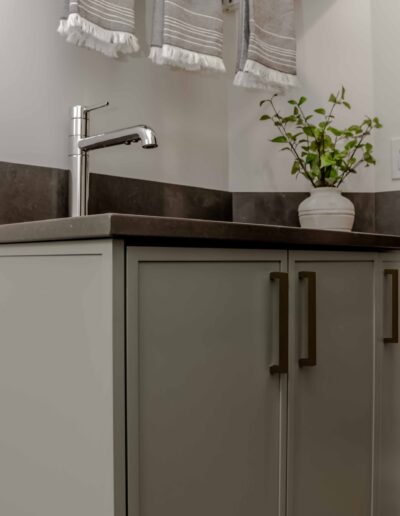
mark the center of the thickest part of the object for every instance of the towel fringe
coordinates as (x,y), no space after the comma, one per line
(267,77)
(185,59)
(82,32)
(247,80)
(156,55)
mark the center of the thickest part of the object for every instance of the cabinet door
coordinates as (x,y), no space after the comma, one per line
(62,439)
(331,395)
(206,419)
(388,352)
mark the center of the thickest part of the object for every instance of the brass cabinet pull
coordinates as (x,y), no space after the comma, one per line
(311,360)
(283,366)
(394,339)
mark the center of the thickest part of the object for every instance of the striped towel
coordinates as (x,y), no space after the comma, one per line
(104,25)
(188,34)
(267,46)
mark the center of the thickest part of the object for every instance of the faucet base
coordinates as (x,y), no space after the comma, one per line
(78,183)
(78,186)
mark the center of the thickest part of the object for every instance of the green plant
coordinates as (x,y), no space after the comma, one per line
(324,154)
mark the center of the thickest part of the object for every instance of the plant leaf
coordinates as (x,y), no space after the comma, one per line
(265,117)
(295,168)
(311,158)
(302,100)
(279,139)
(327,161)
(288,119)
(335,131)
(355,129)
(350,145)
(308,131)
(320,111)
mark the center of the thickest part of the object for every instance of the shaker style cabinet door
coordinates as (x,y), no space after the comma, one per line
(206,418)
(62,421)
(388,353)
(330,443)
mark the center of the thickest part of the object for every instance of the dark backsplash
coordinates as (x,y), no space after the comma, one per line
(111,194)
(387,208)
(276,208)
(280,208)
(35,193)
(32,193)
(366,213)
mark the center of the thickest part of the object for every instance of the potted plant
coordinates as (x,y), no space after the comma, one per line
(325,155)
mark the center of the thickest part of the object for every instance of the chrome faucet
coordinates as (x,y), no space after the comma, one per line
(81,144)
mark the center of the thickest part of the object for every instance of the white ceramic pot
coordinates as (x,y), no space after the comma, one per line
(326,208)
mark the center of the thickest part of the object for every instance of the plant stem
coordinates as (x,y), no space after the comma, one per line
(358,146)
(283,132)
(327,119)
(305,122)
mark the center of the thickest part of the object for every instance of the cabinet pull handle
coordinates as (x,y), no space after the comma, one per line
(394,339)
(283,278)
(311,360)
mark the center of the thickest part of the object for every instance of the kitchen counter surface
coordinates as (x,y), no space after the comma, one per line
(165,231)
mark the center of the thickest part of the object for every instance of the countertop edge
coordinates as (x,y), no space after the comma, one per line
(233,234)
(164,231)
(77,228)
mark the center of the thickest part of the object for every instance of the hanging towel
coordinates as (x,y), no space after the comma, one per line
(188,34)
(267,45)
(104,25)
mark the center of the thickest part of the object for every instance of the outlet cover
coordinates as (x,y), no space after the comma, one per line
(395,158)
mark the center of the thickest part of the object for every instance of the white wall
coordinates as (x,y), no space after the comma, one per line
(386,54)
(208,130)
(42,76)
(334,48)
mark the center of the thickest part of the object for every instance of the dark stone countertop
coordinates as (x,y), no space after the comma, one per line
(166,231)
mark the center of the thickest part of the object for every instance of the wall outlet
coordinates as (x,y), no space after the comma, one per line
(230,5)
(395,158)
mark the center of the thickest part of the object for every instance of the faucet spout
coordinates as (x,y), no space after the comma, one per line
(139,133)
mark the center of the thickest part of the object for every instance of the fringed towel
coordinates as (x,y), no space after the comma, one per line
(267,45)
(188,34)
(104,25)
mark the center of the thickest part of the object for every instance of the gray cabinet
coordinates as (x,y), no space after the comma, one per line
(143,375)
